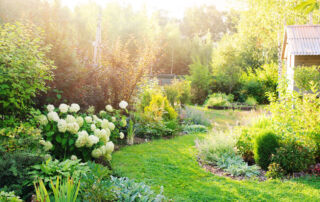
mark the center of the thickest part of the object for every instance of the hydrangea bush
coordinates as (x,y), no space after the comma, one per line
(68,133)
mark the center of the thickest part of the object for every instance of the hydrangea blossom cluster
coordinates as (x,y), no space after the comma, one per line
(84,133)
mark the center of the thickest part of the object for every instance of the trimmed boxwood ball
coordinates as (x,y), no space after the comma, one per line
(265,145)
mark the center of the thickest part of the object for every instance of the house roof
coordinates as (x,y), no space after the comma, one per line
(302,40)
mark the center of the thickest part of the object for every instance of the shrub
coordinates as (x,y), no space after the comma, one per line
(66,131)
(189,129)
(295,155)
(178,92)
(14,172)
(219,100)
(9,197)
(24,67)
(275,171)
(251,101)
(303,76)
(265,145)
(193,115)
(200,79)
(128,190)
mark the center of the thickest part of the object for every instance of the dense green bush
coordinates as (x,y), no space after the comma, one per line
(303,76)
(275,171)
(251,101)
(265,145)
(14,172)
(24,68)
(295,154)
(219,100)
(178,92)
(200,79)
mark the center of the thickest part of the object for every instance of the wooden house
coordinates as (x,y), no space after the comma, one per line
(301,47)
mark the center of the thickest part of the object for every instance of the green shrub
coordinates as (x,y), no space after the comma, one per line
(219,100)
(275,171)
(295,154)
(201,79)
(303,76)
(14,172)
(189,129)
(251,101)
(178,92)
(24,67)
(265,145)
(9,197)
(128,190)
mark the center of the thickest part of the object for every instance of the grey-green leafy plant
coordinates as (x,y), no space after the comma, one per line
(189,129)
(130,191)
(9,197)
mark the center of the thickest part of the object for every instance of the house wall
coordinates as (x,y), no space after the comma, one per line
(307,60)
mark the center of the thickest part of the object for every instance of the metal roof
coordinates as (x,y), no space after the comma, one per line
(303,39)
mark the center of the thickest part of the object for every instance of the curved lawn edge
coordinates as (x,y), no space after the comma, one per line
(172,163)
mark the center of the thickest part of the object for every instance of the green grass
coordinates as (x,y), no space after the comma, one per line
(173,164)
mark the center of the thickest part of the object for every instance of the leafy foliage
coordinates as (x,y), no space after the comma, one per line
(192,115)
(9,197)
(50,169)
(178,92)
(219,100)
(265,145)
(275,171)
(14,172)
(24,67)
(304,75)
(189,129)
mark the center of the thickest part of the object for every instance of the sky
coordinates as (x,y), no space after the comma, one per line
(175,8)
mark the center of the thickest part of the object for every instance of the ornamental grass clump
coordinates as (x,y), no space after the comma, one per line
(67,132)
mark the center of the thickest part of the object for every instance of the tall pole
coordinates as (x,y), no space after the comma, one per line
(97,43)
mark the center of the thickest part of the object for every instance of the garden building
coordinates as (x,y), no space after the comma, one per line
(301,47)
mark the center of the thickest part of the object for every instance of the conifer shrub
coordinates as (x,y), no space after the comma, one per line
(265,145)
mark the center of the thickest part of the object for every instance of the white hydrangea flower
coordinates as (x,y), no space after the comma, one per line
(92,140)
(42,120)
(74,108)
(109,147)
(121,135)
(79,121)
(73,127)
(62,126)
(104,124)
(73,157)
(50,108)
(102,135)
(123,104)
(111,126)
(102,113)
(93,127)
(113,119)
(96,153)
(47,156)
(64,108)
(88,119)
(53,116)
(42,142)
(82,139)
(103,149)
(109,108)
(70,119)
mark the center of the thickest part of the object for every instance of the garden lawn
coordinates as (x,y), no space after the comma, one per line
(173,164)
